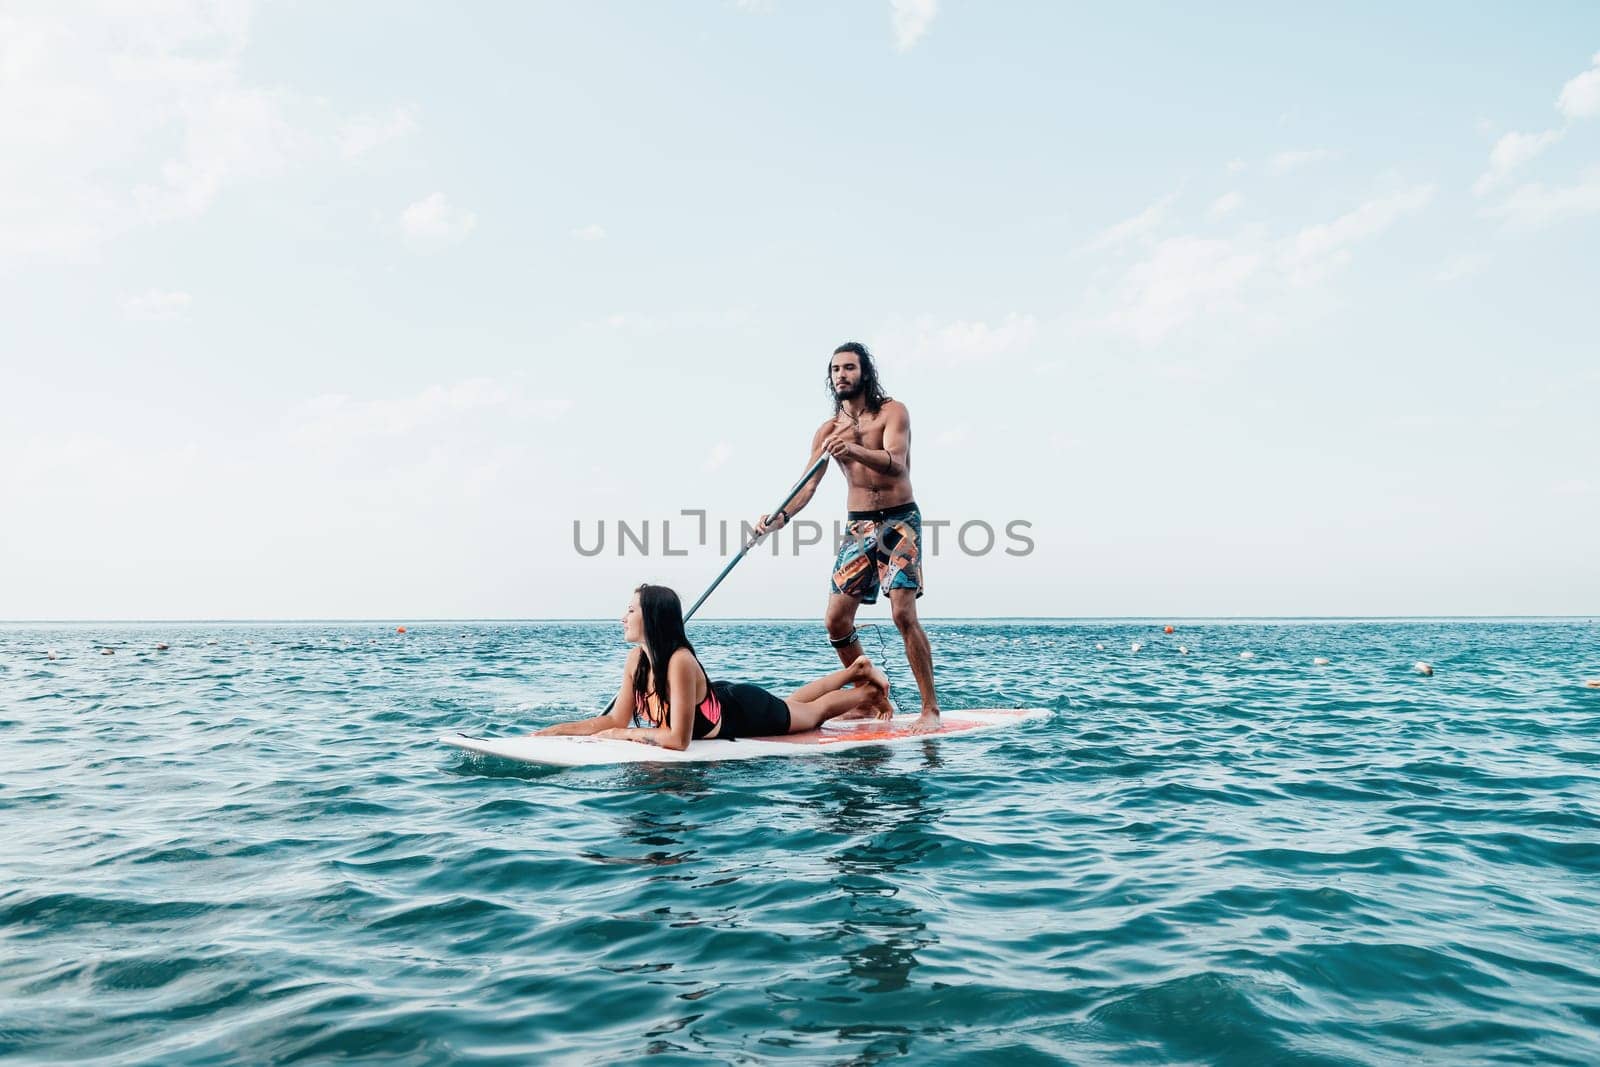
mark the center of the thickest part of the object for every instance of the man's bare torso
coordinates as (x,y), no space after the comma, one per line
(869,489)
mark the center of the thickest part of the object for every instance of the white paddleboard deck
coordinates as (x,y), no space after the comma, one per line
(833,737)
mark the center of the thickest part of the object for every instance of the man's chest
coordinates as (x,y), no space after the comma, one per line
(866,431)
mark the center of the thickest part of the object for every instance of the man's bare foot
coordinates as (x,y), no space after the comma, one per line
(927,722)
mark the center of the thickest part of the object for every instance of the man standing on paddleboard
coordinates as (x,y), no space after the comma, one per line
(869,437)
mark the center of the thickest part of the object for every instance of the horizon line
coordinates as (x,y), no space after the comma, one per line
(406,621)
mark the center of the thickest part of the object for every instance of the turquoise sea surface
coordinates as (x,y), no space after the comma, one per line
(248,848)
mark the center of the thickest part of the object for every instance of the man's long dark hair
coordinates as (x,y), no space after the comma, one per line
(872,393)
(662,615)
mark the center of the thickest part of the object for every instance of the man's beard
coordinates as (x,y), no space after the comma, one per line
(849,392)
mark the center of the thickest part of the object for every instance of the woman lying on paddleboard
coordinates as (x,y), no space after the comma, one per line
(664,662)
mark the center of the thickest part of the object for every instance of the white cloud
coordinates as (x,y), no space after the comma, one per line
(1284,162)
(434,221)
(105,120)
(337,417)
(1065,442)
(1463,266)
(100,472)
(912,18)
(1318,248)
(1183,278)
(1224,205)
(1188,278)
(1510,152)
(155,305)
(720,453)
(363,133)
(135,116)
(960,342)
(689,319)
(1141,225)
(1534,206)
(1580,97)
(591,232)
(233,134)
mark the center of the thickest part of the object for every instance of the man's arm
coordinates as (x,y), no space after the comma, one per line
(766,524)
(894,456)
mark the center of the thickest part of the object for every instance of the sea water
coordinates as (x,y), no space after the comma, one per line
(248,848)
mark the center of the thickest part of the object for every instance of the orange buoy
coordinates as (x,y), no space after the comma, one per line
(399,629)
(1169,629)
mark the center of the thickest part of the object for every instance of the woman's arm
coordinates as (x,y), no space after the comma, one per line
(681,672)
(620,715)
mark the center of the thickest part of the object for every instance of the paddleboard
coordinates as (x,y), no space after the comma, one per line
(834,737)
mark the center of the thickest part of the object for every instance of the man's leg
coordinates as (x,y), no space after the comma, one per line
(903,605)
(841,623)
(840,619)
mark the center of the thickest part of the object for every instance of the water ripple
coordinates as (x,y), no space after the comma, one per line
(251,851)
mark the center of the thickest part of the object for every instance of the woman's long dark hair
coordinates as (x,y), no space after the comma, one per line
(662,615)
(872,393)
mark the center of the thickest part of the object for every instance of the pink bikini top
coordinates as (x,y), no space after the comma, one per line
(707,715)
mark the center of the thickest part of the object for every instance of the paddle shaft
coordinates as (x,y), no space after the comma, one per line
(810,473)
(748,545)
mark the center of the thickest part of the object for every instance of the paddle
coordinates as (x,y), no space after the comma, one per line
(821,462)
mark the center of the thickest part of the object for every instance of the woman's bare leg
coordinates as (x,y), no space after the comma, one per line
(858,672)
(816,702)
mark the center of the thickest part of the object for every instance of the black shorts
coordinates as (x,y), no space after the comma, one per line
(750,711)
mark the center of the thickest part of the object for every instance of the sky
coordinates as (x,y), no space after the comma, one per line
(362,310)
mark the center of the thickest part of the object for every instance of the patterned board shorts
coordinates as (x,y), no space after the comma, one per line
(882,550)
